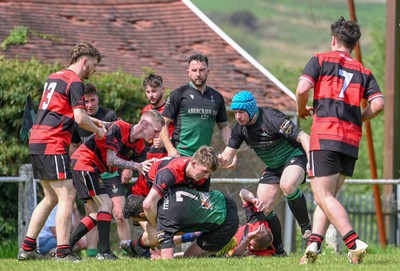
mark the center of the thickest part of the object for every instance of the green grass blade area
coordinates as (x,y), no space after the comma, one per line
(375,260)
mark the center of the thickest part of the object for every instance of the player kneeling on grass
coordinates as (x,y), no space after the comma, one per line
(186,210)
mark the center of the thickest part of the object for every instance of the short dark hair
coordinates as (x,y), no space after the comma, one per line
(90,89)
(133,206)
(346,32)
(84,49)
(198,57)
(153,80)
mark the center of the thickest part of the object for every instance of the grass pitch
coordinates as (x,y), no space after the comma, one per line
(381,260)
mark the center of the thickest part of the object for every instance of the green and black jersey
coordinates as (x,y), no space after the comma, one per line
(273,137)
(186,210)
(194,115)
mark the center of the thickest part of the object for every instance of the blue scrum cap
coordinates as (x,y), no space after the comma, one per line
(244,100)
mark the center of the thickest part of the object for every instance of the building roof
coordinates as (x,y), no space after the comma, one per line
(133,34)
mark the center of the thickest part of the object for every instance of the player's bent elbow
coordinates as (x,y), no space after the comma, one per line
(377,105)
(146,205)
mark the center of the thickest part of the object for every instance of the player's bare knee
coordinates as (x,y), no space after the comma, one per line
(288,188)
(119,218)
(50,200)
(152,240)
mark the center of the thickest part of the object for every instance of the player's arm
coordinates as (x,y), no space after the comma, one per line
(304,139)
(84,121)
(225,131)
(97,122)
(375,106)
(303,88)
(226,157)
(114,161)
(150,206)
(167,253)
(248,197)
(164,135)
(242,247)
(72,148)
(126,175)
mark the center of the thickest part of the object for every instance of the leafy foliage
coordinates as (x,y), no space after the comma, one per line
(17,80)
(18,35)
(122,93)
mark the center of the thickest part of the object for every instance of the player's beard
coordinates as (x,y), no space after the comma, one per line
(155,102)
(87,74)
(201,83)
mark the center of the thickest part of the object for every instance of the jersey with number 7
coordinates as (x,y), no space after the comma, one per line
(340,83)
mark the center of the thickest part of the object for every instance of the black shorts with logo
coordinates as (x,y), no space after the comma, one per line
(88,184)
(273,176)
(114,186)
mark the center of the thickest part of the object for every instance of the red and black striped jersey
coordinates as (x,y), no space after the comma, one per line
(92,153)
(52,131)
(153,152)
(142,186)
(340,83)
(254,219)
(170,171)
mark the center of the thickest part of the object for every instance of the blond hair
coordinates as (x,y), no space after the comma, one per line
(206,156)
(152,116)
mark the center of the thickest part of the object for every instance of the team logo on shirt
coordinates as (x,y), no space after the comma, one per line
(264,133)
(114,189)
(286,127)
(166,201)
(205,201)
(191,96)
(101,183)
(202,111)
(130,153)
(212,99)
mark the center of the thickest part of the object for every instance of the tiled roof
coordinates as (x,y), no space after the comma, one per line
(143,33)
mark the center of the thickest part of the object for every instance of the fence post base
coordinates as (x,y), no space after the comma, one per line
(26,200)
(333,239)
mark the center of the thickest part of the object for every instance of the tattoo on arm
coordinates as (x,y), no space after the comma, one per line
(115,161)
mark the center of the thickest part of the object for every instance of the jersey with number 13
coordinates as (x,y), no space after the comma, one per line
(52,131)
(340,82)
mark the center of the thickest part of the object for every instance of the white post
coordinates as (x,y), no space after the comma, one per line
(288,229)
(333,239)
(26,200)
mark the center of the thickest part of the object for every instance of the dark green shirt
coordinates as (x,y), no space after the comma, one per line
(194,115)
(187,210)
